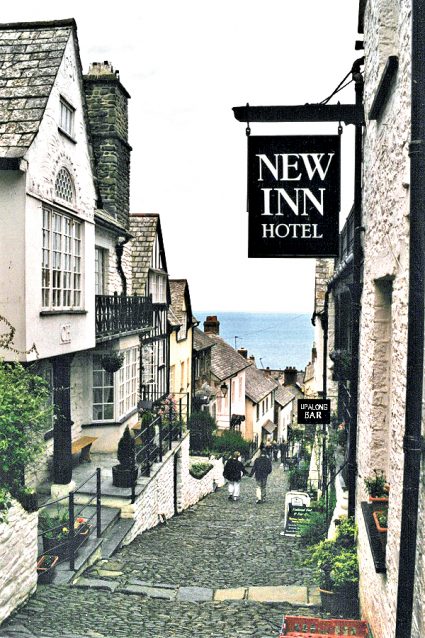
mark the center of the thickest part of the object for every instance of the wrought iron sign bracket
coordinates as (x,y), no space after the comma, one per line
(347,113)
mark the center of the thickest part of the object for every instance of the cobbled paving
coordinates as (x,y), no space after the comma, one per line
(215,544)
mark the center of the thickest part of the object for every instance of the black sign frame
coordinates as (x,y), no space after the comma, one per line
(294,195)
(311,412)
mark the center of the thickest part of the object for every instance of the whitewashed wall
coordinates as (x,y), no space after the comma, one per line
(386,239)
(18,559)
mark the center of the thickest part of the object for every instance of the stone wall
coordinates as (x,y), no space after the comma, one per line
(18,558)
(382,376)
(156,503)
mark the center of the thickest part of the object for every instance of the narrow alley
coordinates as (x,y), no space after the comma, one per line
(206,573)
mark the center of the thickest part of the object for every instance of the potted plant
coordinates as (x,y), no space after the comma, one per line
(125,474)
(377,488)
(112,361)
(336,569)
(56,535)
(27,497)
(381,520)
(46,568)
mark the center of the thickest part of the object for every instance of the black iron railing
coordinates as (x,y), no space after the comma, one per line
(154,440)
(70,528)
(346,239)
(116,314)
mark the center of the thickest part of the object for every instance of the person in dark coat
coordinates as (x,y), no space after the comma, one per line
(261,469)
(233,472)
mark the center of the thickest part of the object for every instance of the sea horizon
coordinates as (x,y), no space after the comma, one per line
(275,339)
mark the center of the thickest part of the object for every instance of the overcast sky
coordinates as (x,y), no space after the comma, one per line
(186,63)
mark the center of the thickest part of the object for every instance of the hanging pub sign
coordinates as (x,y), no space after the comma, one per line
(293,195)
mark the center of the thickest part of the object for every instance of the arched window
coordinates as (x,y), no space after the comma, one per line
(64,187)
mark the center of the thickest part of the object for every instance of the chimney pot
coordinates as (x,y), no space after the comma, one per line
(290,375)
(212,325)
(243,352)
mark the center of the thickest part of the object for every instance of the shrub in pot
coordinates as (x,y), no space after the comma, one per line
(112,361)
(125,474)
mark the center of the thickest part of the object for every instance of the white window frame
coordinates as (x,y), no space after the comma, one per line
(61,261)
(149,364)
(107,384)
(158,287)
(66,117)
(124,384)
(100,270)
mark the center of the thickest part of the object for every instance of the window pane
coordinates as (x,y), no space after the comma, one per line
(109,412)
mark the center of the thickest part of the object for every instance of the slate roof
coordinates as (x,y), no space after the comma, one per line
(258,386)
(201,341)
(284,395)
(180,297)
(30,56)
(225,360)
(172,318)
(144,229)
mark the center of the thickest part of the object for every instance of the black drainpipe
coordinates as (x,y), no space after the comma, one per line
(356,293)
(119,249)
(412,443)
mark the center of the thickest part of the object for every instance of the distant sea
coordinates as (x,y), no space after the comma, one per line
(276,340)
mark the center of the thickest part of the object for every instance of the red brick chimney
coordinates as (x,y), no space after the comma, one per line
(212,325)
(290,375)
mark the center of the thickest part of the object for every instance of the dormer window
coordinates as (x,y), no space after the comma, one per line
(64,187)
(66,119)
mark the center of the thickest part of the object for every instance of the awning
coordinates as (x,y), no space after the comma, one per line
(269,427)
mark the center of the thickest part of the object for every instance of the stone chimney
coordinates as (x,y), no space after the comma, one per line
(252,359)
(212,325)
(243,352)
(290,375)
(107,106)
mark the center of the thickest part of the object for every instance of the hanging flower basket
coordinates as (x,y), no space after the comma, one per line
(112,362)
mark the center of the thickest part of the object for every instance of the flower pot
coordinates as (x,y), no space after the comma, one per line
(123,476)
(46,573)
(379,527)
(112,362)
(55,542)
(343,603)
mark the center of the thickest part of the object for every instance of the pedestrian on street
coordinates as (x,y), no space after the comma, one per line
(233,472)
(275,450)
(268,448)
(261,469)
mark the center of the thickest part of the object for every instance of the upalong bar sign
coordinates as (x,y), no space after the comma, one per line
(293,195)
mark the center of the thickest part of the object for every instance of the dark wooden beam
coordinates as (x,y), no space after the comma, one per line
(384,89)
(347,113)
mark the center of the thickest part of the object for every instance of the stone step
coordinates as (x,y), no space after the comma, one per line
(115,535)
(88,554)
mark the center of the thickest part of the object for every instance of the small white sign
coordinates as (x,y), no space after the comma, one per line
(65,333)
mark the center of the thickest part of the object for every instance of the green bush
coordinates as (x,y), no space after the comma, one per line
(5,504)
(202,427)
(198,470)
(24,412)
(335,561)
(229,442)
(313,527)
(298,477)
(376,484)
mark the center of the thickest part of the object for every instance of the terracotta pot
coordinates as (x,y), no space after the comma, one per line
(45,574)
(375,515)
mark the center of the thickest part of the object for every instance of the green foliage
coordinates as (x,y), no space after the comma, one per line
(24,410)
(298,477)
(335,561)
(5,504)
(112,361)
(126,450)
(202,427)
(313,527)
(57,526)
(229,442)
(383,518)
(198,470)
(375,484)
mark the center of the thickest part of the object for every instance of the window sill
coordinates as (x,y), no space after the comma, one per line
(70,311)
(107,424)
(67,135)
(377,540)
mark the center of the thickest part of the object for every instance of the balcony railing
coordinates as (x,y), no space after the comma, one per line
(346,239)
(117,314)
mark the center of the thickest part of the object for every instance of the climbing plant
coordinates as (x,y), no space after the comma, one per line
(24,410)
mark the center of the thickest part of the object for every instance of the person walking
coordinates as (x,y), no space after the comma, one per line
(233,472)
(261,469)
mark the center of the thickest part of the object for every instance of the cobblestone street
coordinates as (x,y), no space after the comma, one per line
(217,544)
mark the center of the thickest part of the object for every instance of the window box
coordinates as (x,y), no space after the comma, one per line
(377,540)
